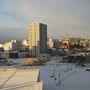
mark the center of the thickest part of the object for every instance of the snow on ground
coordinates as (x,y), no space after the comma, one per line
(61,76)
(75,79)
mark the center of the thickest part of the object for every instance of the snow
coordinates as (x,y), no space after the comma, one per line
(62,76)
(19,79)
(77,79)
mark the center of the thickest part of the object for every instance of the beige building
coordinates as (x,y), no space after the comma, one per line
(9,46)
(50,43)
(37,38)
(1,45)
(25,43)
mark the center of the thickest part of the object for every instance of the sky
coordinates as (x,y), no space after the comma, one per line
(61,16)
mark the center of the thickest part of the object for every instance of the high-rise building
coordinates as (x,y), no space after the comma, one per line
(37,38)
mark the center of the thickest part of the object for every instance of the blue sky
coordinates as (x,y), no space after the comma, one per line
(61,16)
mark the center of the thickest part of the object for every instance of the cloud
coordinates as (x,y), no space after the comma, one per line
(16,16)
(12,33)
(72,16)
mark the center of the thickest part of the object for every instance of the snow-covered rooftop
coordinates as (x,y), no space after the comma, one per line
(19,79)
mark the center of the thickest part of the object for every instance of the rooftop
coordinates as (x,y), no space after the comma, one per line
(19,79)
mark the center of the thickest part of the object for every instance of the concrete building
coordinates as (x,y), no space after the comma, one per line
(1,48)
(37,38)
(25,43)
(20,79)
(10,46)
(64,44)
(56,43)
(7,46)
(1,45)
(50,43)
(84,43)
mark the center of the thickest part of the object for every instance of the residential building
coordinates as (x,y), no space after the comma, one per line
(1,45)
(64,44)
(10,46)
(25,43)
(37,38)
(56,43)
(50,43)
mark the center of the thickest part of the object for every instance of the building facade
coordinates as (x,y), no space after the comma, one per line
(37,38)
(9,46)
(50,43)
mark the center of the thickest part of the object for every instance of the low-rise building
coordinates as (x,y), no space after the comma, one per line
(10,46)
(1,45)
(50,43)
(64,44)
(25,46)
(25,43)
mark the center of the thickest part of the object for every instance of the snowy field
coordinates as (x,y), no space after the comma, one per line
(61,76)
(65,77)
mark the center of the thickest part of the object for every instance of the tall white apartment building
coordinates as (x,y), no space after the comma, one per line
(37,38)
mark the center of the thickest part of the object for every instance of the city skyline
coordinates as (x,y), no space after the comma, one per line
(61,16)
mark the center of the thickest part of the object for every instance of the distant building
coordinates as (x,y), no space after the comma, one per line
(73,41)
(37,38)
(64,44)
(1,48)
(25,43)
(84,42)
(25,46)
(10,46)
(53,43)
(50,43)
(56,43)
(79,42)
(1,45)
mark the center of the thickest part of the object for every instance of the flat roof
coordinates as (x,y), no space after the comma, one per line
(11,78)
